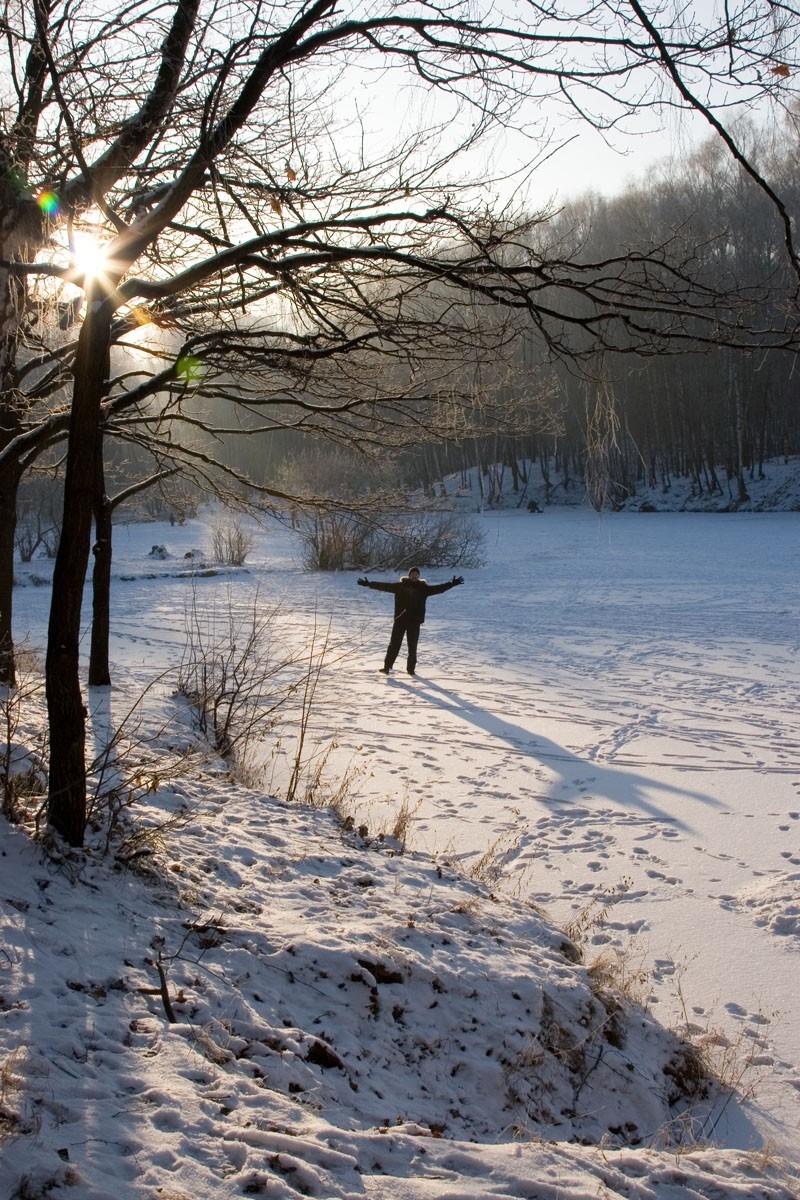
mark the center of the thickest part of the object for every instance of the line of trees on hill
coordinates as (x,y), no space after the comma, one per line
(712,414)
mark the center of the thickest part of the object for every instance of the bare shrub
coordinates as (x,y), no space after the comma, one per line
(593,916)
(490,868)
(231,541)
(131,764)
(402,821)
(300,774)
(23,779)
(229,676)
(318,788)
(307,762)
(337,541)
(621,972)
(38,518)
(240,691)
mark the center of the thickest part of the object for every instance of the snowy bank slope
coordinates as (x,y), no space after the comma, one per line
(286,1009)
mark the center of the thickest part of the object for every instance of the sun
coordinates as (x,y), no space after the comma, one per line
(89,257)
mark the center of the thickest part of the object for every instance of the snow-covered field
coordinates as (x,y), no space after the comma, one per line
(603,729)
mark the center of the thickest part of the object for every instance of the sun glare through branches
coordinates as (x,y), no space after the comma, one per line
(89,257)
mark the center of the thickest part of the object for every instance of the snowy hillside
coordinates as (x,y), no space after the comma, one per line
(775,489)
(333,1015)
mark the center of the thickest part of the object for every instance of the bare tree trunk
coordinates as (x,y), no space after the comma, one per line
(544,464)
(9,483)
(20,229)
(67,715)
(99,671)
(479,457)
(762,437)
(511,461)
(740,407)
(714,484)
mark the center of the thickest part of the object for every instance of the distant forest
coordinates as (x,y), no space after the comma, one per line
(713,414)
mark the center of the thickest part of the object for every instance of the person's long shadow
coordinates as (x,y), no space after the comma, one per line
(620,785)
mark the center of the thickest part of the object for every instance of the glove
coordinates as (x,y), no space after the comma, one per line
(362,582)
(457,579)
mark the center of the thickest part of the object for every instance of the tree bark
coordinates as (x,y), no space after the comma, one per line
(66,711)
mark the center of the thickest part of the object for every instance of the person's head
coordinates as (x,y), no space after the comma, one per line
(413,572)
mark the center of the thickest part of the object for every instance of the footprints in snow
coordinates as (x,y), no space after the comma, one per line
(609,749)
(558,838)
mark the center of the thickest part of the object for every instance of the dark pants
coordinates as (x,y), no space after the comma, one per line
(409,630)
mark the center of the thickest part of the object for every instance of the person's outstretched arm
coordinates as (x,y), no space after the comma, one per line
(437,588)
(376,586)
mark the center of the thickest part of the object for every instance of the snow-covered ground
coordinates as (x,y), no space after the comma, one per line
(602,735)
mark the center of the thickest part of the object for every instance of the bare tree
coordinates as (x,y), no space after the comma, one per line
(304,263)
(104,506)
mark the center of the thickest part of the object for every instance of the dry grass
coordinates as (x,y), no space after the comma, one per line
(620,971)
(402,822)
(493,863)
(11,1086)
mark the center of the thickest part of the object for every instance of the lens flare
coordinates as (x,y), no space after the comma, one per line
(49,203)
(189,368)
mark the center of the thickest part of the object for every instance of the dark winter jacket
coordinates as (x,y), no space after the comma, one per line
(410,595)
